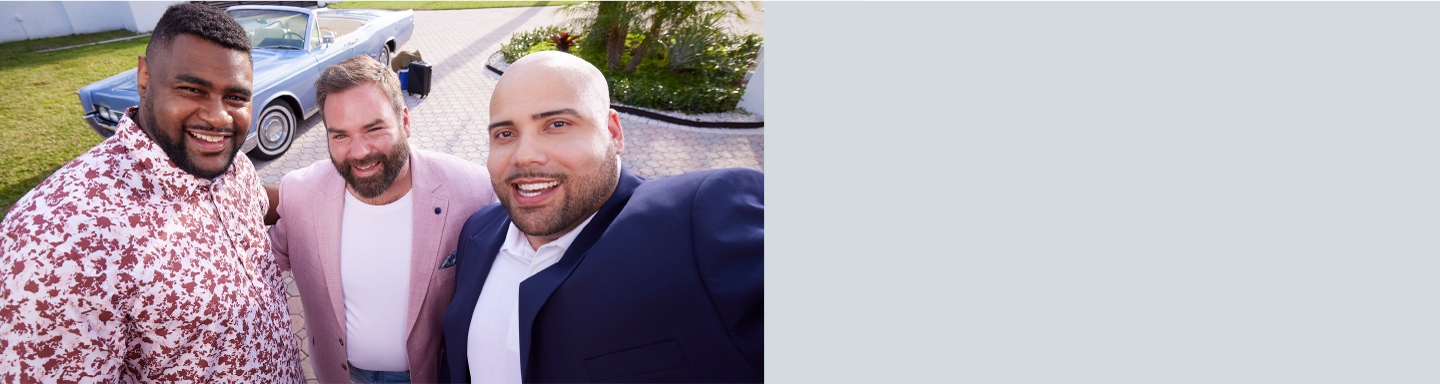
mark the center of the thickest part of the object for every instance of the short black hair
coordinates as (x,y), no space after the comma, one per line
(203,21)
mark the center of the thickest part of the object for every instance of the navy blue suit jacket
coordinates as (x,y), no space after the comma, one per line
(666,284)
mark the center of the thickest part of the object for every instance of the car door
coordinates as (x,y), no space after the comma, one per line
(325,55)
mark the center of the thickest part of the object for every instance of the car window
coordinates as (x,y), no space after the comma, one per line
(273,29)
(314,37)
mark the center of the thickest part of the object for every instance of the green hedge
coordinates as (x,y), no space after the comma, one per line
(714,84)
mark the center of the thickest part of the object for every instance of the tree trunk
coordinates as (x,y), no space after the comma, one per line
(639,54)
(614,48)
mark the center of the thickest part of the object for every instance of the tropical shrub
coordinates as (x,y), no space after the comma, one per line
(521,42)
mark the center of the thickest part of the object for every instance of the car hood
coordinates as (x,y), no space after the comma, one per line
(272,66)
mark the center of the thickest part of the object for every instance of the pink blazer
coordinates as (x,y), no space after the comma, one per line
(306,240)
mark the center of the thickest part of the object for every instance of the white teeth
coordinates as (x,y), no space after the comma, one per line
(212,139)
(537,186)
(366,167)
(533,189)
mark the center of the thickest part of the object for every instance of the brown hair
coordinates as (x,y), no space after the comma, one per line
(358,70)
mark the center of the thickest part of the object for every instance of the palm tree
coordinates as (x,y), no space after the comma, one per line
(665,16)
(607,22)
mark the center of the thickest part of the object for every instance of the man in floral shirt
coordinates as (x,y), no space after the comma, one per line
(145,259)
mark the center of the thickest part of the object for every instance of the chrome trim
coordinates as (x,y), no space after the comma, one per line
(101,126)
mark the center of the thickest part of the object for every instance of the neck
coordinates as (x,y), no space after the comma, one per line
(395,192)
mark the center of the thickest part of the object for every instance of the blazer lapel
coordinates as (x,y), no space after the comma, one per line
(428,225)
(535,290)
(332,206)
(471,272)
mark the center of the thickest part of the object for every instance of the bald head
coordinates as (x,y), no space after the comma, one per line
(555,144)
(558,72)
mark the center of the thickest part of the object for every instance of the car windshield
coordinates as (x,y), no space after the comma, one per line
(273,29)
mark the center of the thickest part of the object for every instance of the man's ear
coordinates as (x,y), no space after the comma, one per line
(405,120)
(142,77)
(612,124)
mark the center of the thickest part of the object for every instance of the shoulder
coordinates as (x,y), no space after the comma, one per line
(99,204)
(741,181)
(462,178)
(489,216)
(310,176)
(452,166)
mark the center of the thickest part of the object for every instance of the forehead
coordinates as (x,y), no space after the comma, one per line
(531,93)
(189,53)
(362,103)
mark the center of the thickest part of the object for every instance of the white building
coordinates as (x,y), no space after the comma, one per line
(24,20)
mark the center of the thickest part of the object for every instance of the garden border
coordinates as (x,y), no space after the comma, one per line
(663,117)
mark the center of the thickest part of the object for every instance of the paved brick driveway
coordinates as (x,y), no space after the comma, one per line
(454,117)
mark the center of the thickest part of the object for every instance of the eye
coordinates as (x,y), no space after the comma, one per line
(558,124)
(504,134)
(191,90)
(238,98)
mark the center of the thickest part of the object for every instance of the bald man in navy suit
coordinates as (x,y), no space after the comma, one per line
(585,272)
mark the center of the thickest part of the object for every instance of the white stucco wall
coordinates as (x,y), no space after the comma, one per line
(20,20)
(754,98)
(24,20)
(147,13)
(96,16)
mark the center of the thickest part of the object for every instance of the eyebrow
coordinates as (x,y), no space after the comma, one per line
(188,78)
(538,116)
(377,121)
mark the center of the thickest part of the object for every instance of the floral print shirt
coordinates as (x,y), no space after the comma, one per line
(120,267)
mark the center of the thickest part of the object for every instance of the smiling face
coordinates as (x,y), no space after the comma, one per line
(554,144)
(195,103)
(368,144)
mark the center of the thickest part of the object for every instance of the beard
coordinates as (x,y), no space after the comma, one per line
(371,187)
(584,195)
(175,148)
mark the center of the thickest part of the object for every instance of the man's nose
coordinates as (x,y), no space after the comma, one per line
(213,112)
(359,148)
(530,152)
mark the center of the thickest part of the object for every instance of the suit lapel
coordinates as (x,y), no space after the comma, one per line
(535,290)
(428,226)
(471,273)
(329,221)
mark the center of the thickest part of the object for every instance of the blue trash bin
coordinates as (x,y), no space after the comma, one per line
(404,79)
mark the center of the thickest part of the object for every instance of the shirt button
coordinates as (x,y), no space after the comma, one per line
(342,342)
(345,367)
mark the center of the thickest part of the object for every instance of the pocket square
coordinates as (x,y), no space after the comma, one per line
(449,261)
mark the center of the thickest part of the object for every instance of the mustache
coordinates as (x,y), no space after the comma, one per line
(371,158)
(538,175)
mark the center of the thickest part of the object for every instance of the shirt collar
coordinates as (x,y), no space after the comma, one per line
(517,244)
(150,157)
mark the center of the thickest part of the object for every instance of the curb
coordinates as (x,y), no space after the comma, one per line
(667,118)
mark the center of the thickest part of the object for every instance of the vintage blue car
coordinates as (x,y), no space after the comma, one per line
(290,47)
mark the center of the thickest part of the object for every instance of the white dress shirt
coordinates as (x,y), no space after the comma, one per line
(493,345)
(375,278)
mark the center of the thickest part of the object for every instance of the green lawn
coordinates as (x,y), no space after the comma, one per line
(41,127)
(443,5)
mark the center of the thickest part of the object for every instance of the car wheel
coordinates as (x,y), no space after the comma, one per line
(385,55)
(275,131)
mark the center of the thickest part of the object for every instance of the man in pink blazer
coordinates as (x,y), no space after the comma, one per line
(368,233)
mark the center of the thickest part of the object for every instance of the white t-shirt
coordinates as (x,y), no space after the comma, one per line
(493,346)
(375,275)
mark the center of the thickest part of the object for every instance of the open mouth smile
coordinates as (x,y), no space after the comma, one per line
(207,141)
(535,189)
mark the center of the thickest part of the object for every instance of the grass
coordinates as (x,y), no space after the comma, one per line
(444,5)
(41,127)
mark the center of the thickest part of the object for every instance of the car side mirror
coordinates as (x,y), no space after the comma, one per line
(327,37)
